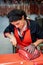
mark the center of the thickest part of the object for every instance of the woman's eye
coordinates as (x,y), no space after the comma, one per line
(17,24)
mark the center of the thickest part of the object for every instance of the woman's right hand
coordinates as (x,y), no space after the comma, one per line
(13,40)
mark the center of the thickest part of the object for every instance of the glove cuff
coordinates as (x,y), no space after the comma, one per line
(33,45)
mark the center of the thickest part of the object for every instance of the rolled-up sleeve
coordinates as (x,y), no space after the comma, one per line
(39,31)
(36,31)
(9,29)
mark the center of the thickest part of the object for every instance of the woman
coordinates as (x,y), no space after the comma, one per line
(27,34)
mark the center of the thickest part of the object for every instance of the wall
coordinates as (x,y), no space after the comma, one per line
(5,45)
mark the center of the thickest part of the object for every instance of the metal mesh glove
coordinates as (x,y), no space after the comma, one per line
(30,48)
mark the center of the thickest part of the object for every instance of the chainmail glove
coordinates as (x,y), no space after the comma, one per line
(30,48)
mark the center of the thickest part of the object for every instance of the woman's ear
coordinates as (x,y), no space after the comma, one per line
(22,17)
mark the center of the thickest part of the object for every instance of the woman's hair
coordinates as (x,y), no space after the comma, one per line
(16,14)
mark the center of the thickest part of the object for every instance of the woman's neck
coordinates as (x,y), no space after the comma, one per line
(24,27)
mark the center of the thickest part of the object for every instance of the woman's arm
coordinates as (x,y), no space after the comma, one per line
(12,38)
(38,42)
(7,33)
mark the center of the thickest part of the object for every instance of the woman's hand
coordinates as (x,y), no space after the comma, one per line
(30,48)
(13,40)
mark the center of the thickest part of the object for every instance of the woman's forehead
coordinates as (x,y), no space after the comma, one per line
(16,22)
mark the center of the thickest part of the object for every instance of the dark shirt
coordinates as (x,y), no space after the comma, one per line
(36,31)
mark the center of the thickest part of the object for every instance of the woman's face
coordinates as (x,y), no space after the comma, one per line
(19,24)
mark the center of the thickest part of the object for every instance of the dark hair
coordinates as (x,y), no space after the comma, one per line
(16,14)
